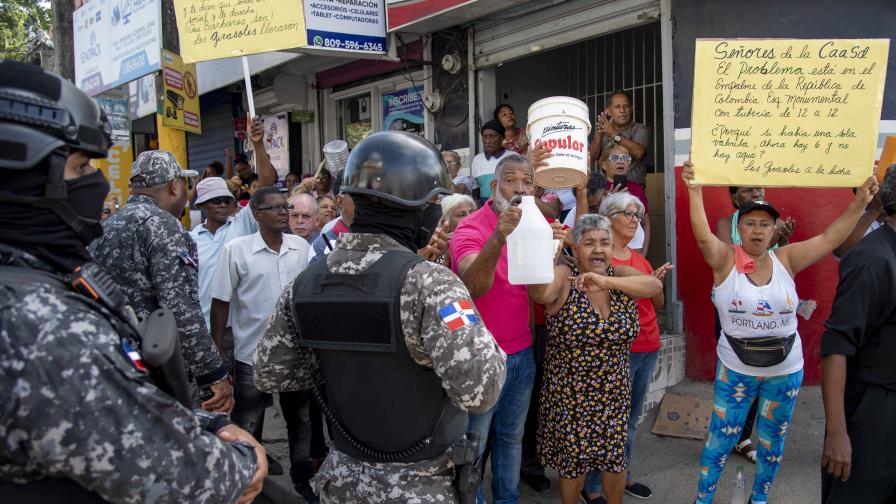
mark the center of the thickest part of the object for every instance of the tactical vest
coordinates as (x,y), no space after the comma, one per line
(385,407)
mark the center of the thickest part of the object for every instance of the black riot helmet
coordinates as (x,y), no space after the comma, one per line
(398,167)
(41,112)
(43,118)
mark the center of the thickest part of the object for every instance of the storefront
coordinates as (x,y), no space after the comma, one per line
(587,50)
(394,102)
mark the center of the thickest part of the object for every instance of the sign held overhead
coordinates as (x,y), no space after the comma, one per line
(787,112)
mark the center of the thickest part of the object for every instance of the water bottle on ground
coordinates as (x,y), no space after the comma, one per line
(739,490)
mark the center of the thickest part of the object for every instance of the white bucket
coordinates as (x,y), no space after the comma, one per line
(561,123)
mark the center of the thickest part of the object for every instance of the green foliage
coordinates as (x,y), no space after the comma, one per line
(20,20)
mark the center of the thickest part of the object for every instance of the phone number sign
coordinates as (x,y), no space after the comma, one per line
(346,25)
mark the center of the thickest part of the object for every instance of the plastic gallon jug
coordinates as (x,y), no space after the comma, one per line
(562,124)
(530,247)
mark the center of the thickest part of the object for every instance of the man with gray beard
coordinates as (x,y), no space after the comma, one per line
(479,257)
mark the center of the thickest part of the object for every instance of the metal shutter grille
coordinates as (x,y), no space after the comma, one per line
(217,134)
(508,37)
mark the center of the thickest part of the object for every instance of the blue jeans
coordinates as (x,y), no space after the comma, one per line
(641,366)
(503,427)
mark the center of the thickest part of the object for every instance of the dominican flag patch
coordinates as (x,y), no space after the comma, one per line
(459,314)
(134,356)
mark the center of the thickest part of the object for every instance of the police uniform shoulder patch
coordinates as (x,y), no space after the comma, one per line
(458,314)
(187,259)
(133,355)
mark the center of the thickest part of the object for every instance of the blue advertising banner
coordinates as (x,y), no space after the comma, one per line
(116,41)
(346,25)
(403,110)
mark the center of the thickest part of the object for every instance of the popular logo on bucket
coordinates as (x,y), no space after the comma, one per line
(559,135)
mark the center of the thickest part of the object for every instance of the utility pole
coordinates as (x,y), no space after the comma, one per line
(63,38)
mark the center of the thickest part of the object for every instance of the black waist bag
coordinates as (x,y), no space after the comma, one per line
(762,352)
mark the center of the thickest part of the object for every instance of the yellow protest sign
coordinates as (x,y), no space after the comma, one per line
(787,112)
(212,29)
(180,94)
(116,166)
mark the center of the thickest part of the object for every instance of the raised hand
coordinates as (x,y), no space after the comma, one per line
(507,222)
(866,193)
(660,273)
(256,130)
(538,154)
(687,174)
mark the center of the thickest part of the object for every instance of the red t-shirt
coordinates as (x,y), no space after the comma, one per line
(648,339)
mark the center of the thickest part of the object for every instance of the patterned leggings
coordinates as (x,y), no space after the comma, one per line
(734,393)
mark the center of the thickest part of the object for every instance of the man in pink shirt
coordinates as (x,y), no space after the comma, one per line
(479,257)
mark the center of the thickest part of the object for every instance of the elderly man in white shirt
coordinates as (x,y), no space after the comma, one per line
(252,271)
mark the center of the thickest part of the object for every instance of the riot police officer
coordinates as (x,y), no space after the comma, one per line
(395,339)
(81,419)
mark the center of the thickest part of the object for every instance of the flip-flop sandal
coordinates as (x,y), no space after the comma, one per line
(745,448)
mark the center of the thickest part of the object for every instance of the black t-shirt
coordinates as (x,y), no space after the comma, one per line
(862,324)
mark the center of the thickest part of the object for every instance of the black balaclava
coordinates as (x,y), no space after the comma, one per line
(39,230)
(405,225)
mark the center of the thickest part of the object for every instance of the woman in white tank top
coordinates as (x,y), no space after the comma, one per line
(760,353)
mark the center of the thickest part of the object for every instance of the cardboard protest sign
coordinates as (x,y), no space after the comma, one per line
(212,29)
(787,112)
(180,94)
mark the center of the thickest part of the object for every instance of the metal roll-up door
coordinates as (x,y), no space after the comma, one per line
(505,38)
(217,134)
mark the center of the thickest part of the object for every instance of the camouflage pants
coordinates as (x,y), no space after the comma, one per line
(342,480)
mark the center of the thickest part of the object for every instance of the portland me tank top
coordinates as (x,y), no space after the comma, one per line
(750,311)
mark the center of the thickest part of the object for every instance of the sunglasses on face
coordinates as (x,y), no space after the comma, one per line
(629,214)
(625,158)
(220,200)
(277,208)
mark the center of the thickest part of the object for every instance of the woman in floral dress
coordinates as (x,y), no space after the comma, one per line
(586,394)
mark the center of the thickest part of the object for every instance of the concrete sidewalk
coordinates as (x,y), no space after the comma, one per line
(669,466)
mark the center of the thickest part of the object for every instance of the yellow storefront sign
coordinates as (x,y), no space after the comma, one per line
(180,94)
(787,112)
(212,29)
(117,169)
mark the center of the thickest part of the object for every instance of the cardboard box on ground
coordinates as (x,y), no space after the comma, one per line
(683,416)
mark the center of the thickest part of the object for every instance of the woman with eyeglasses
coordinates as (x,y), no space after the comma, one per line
(327,210)
(615,162)
(760,352)
(455,208)
(462,184)
(624,212)
(586,393)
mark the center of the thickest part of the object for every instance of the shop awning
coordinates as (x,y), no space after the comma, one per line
(218,73)
(427,16)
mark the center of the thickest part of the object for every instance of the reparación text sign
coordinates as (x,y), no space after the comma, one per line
(213,29)
(787,112)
